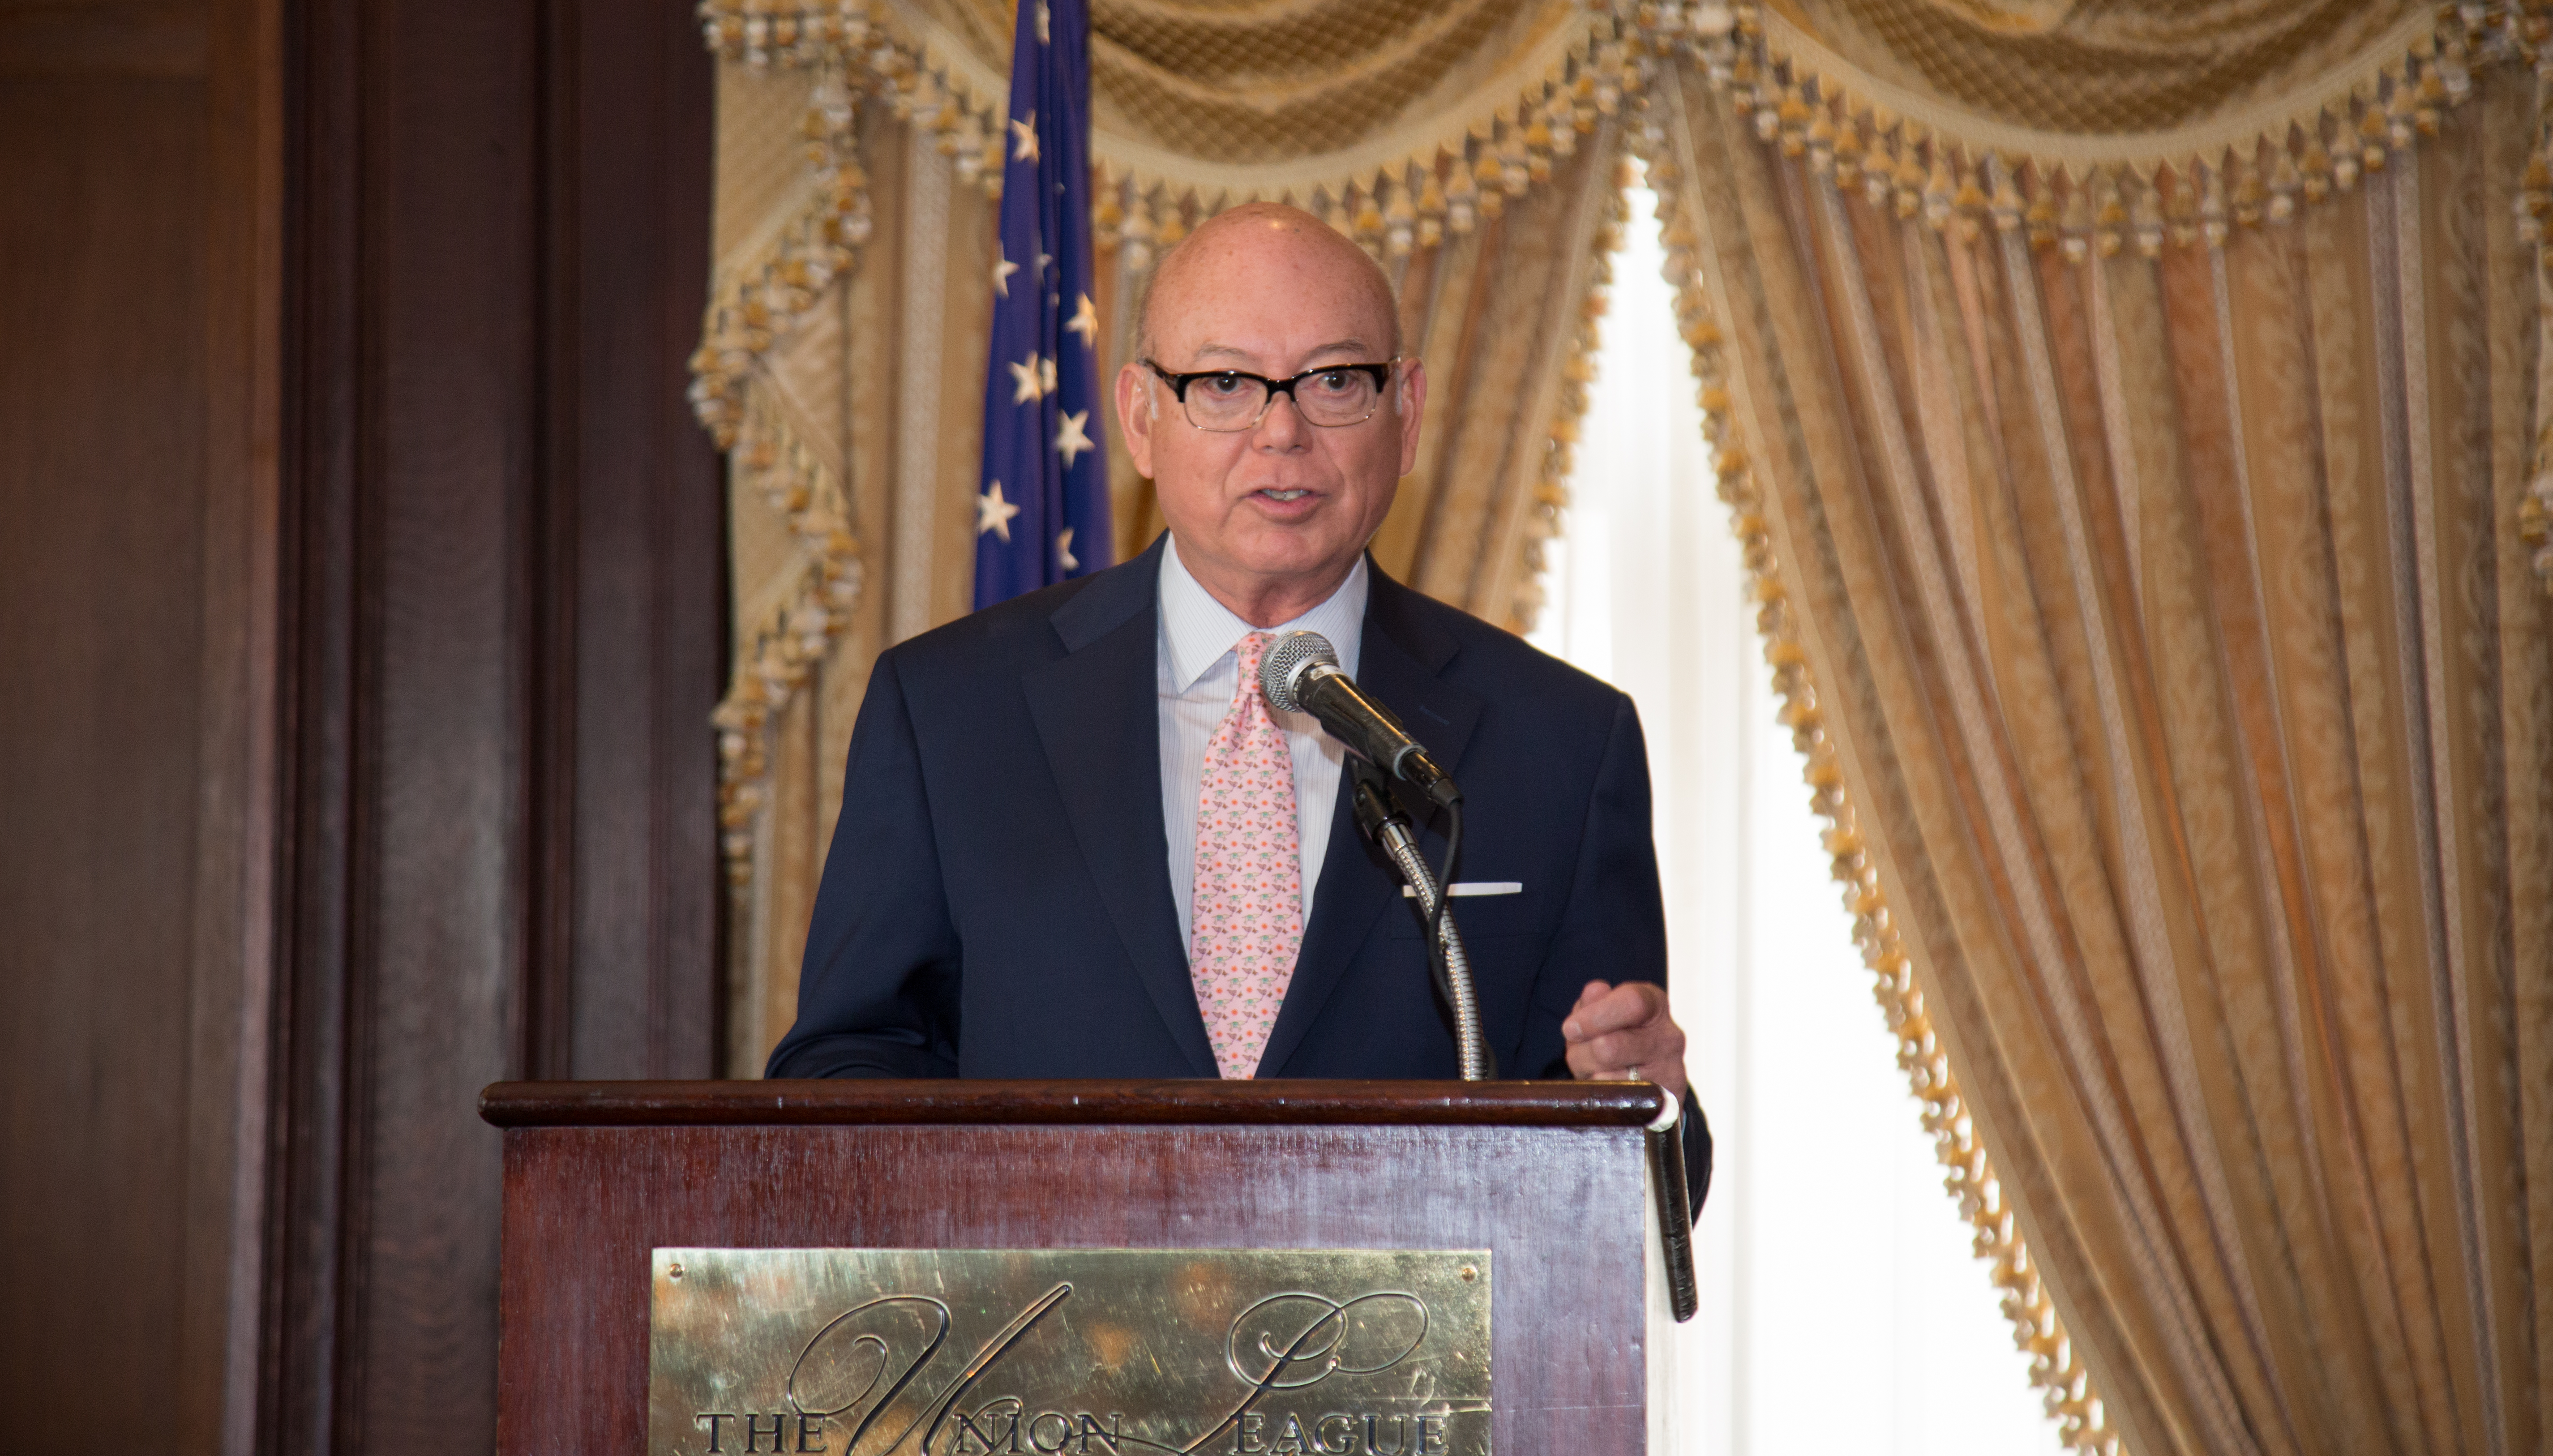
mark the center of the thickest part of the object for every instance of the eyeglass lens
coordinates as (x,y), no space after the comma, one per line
(1235,401)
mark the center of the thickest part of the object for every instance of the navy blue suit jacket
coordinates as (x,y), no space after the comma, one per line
(997,900)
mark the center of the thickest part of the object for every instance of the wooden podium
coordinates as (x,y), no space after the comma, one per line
(1553,1178)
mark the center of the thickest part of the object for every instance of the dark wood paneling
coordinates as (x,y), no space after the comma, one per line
(170,39)
(140,178)
(322,822)
(102,486)
(360,613)
(449,471)
(136,752)
(506,644)
(642,485)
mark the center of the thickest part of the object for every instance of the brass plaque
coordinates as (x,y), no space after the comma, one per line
(1098,1352)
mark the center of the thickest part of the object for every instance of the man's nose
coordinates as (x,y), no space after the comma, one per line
(1282,427)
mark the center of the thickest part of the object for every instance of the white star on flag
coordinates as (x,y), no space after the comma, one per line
(1003,268)
(993,513)
(1063,551)
(1069,441)
(1046,371)
(1029,382)
(1023,139)
(1086,322)
(1044,21)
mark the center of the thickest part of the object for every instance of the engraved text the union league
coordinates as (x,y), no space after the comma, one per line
(972,1353)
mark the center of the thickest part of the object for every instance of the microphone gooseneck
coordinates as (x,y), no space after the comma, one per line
(1381,821)
(1302,674)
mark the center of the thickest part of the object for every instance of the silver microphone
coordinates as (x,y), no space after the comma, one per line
(1302,674)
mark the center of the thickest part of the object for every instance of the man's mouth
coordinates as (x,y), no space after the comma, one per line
(1295,495)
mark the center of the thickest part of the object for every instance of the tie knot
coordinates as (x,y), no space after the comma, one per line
(1252,649)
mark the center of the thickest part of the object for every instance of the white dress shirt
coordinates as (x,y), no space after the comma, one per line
(1196,670)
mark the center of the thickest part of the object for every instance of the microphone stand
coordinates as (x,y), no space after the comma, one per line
(1390,829)
(1383,823)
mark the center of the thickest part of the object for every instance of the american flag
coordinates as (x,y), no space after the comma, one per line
(1042,512)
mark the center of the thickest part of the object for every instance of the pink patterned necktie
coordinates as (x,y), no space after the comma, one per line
(1248,910)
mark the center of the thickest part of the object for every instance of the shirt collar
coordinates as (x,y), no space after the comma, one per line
(1201,631)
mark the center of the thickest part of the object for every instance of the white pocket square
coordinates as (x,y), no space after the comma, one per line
(1474,887)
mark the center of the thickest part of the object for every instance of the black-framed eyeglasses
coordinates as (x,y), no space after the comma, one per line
(1231,399)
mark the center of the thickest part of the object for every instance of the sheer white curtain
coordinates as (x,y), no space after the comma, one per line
(1841,1310)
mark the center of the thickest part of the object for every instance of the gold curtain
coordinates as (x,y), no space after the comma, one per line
(1474,148)
(2142,544)
(2131,414)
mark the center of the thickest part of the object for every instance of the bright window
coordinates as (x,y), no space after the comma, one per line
(1842,1307)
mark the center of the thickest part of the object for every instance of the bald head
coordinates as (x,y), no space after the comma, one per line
(1265,244)
(1269,516)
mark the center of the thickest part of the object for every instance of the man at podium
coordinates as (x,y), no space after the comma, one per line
(1077,840)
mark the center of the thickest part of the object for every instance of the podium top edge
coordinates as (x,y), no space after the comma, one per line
(852,1102)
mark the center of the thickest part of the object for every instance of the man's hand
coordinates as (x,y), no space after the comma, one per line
(1616,1032)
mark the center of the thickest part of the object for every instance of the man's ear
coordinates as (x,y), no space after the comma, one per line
(1135,418)
(1412,403)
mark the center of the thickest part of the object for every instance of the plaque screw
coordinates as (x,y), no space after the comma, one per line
(1468,1272)
(675,1271)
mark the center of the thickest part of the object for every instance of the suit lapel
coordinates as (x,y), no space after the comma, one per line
(1401,656)
(1096,714)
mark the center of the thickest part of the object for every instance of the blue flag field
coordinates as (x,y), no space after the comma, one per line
(1041,507)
